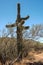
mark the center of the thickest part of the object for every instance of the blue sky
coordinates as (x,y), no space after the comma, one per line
(33,8)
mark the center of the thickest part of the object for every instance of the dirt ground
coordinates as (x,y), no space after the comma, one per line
(34,57)
(37,56)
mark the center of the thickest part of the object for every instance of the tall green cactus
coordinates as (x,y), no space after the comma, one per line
(19,24)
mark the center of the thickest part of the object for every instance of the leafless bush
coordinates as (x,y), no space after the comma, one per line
(8,47)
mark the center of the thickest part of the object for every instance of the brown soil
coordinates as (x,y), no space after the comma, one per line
(34,57)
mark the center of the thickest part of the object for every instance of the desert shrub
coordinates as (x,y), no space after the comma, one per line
(38,46)
(9,49)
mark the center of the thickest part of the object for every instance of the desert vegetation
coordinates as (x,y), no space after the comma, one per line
(32,50)
(21,46)
(8,49)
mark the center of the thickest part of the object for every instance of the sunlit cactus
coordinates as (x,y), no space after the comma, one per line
(19,24)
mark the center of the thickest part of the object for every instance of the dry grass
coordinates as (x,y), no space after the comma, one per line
(33,48)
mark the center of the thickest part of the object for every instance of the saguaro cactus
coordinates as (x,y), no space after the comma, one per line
(19,24)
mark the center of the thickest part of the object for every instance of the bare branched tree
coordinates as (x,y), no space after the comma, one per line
(35,32)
